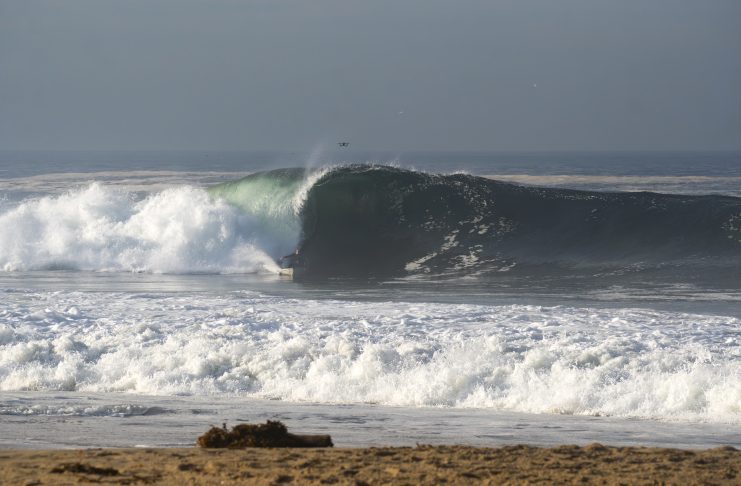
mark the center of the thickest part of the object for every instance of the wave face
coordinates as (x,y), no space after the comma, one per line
(384,220)
(274,200)
(617,362)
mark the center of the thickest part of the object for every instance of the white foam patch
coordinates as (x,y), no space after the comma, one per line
(76,410)
(616,362)
(99,228)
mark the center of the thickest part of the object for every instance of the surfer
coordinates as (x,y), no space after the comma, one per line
(290,261)
(290,265)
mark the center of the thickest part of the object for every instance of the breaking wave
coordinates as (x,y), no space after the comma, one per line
(97,228)
(370,220)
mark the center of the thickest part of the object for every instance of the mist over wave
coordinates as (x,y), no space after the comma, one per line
(98,228)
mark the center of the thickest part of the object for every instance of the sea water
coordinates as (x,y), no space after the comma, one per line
(138,306)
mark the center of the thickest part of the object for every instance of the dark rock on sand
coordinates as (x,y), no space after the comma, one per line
(270,434)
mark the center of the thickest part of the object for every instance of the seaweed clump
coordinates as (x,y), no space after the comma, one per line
(270,434)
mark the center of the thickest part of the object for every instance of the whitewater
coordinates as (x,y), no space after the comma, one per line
(153,300)
(99,229)
(621,363)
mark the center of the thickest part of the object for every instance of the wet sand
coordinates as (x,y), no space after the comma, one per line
(593,464)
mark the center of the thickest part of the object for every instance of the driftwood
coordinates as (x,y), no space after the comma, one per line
(271,434)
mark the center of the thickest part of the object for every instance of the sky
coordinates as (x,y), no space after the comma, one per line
(382,74)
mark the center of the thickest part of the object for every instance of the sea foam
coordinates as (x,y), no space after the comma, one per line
(566,360)
(98,228)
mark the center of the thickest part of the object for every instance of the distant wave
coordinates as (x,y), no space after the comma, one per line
(686,184)
(140,181)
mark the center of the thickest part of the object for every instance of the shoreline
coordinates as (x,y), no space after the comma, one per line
(591,464)
(63,420)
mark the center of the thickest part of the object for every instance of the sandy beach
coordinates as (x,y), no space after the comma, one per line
(592,464)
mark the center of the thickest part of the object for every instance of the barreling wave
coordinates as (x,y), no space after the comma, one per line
(376,219)
(363,220)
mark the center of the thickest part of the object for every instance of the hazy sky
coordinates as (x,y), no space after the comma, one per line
(382,74)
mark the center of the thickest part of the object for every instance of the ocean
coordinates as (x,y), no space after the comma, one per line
(472,298)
